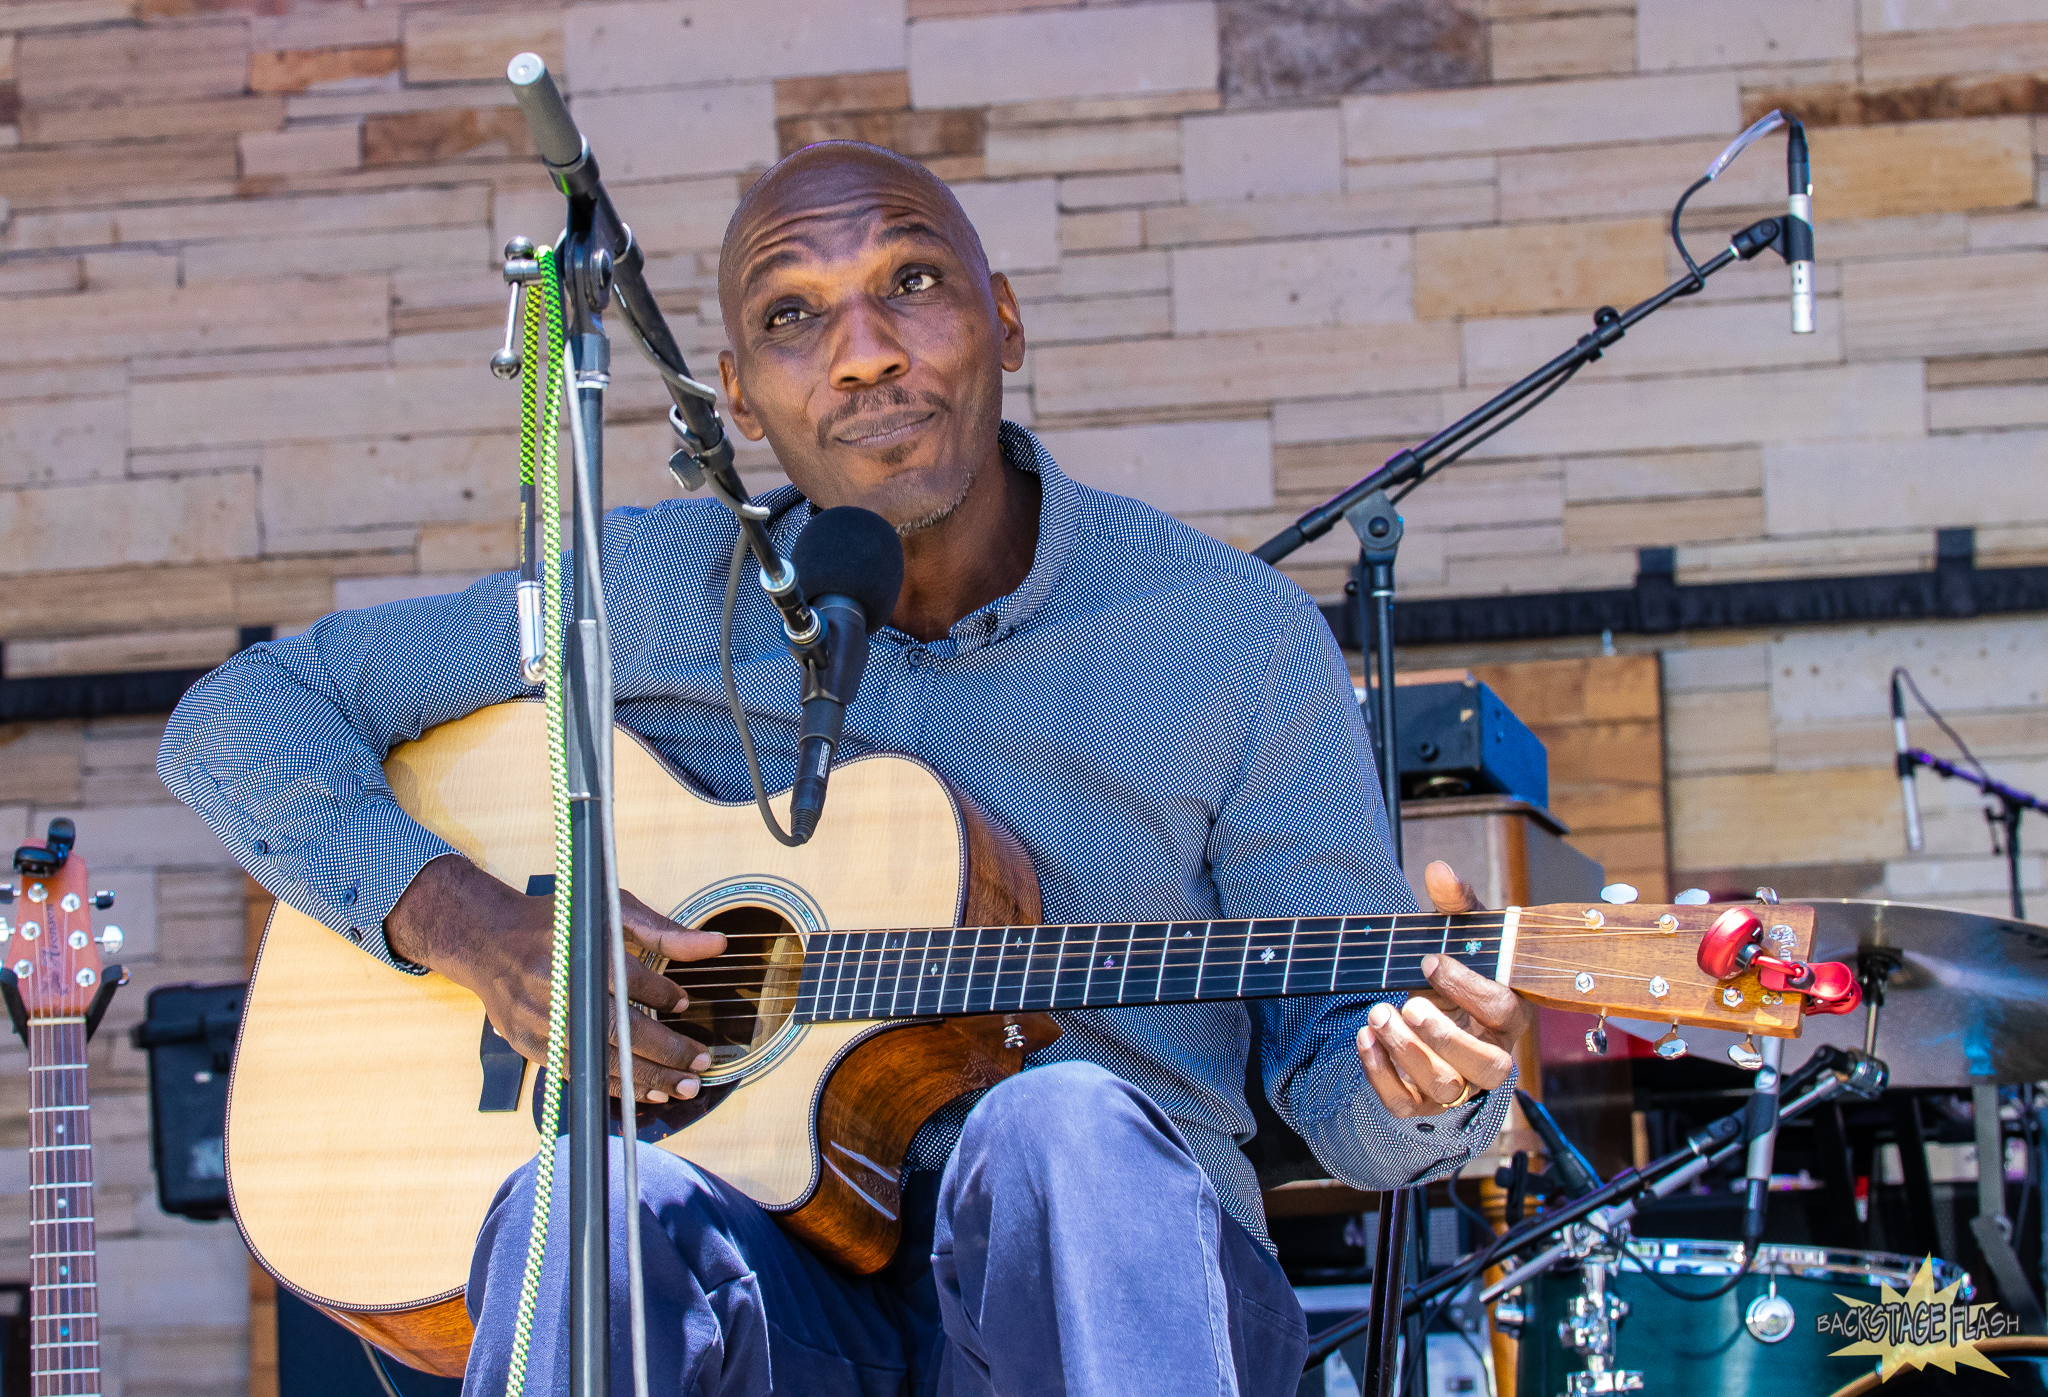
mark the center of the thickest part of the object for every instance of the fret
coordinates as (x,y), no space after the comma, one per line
(1144,964)
(828,973)
(1014,968)
(867,967)
(1180,969)
(1264,968)
(1222,959)
(1108,965)
(945,976)
(1069,971)
(1387,953)
(990,943)
(926,950)
(910,962)
(1315,941)
(1088,980)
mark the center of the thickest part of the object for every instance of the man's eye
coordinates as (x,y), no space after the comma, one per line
(914,282)
(784,316)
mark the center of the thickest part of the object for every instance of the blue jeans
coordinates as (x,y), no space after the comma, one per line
(1074,1247)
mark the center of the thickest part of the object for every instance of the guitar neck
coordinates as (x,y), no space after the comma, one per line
(64,1291)
(852,975)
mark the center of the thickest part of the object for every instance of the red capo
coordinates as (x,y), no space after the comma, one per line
(1736,943)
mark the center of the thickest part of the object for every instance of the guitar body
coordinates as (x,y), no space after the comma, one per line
(360,1159)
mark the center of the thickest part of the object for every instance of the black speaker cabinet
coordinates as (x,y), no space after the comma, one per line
(189,1035)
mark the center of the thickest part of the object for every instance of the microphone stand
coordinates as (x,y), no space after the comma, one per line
(2012,803)
(1368,506)
(1830,1072)
(601,261)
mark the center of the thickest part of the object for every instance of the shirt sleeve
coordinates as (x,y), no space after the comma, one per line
(281,750)
(1304,834)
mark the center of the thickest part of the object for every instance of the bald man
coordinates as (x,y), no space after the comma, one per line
(1166,725)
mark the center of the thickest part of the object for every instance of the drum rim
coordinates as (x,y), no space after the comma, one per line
(1872,1268)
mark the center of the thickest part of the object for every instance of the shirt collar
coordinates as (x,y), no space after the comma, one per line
(1059,529)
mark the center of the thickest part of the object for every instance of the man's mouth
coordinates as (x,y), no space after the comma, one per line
(884,429)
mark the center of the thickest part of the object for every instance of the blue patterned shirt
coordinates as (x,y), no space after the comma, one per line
(1164,722)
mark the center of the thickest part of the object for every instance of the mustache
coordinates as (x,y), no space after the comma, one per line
(869,400)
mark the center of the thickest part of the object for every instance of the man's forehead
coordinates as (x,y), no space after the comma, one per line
(821,230)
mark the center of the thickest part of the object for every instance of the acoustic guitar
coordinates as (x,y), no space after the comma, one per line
(56,990)
(891,964)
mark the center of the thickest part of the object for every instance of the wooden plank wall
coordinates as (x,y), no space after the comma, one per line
(1602,720)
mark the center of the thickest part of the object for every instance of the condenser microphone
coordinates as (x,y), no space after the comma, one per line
(1799,230)
(849,563)
(1907,793)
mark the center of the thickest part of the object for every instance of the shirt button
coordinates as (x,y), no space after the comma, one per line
(348,898)
(1425,1127)
(262,846)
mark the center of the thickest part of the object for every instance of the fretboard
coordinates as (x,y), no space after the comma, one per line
(987,970)
(64,1359)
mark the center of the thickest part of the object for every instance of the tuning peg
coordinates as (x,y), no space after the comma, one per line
(110,940)
(1618,893)
(1671,1047)
(1596,1038)
(1692,897)
(103,899)
(1767,896)
(6,893)
(1745,1055)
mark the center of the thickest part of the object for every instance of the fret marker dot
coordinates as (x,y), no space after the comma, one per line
(1109,962)
(1471,948)
(1267,954)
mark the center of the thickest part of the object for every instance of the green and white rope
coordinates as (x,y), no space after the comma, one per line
(540,407)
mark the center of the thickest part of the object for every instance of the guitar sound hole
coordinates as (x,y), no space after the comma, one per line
(741,1000)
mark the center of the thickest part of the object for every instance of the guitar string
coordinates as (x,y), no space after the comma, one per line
(859,958)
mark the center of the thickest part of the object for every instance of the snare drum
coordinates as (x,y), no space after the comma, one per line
(1761,1337)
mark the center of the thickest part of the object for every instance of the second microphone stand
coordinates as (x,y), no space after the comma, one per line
(1369,508)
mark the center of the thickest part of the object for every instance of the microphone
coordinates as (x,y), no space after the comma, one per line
(1761,1126)
(1572,1169)
(1907,793)
(849,563)
(1799,229)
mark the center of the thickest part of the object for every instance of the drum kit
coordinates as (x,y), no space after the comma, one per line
(1951,1000)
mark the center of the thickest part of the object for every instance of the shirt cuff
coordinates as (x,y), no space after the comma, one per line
(361,870)
(1421,1148)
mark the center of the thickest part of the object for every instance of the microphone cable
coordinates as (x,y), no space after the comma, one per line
(1900,672)
(740,550)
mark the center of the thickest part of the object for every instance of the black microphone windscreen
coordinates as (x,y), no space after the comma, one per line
(855,553)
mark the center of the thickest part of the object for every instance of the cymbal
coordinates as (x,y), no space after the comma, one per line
(1966,1004)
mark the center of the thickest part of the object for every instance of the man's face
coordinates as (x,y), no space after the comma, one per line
(868,338)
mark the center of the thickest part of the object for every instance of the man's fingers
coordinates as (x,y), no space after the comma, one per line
(644,985)
(1491,1004)
(1448,891)
(1394,1093)
(660,1045)
(649,930)
(1478,1062)
(1436,1079)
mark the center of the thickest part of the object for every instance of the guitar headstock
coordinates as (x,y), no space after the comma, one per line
(1640,961)
(48,944)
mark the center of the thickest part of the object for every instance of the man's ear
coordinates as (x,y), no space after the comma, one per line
(736,400)
(1009,319)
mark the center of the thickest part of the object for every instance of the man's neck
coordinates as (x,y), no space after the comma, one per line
(979,552)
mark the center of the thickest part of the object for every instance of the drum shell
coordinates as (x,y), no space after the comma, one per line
(1697,1348)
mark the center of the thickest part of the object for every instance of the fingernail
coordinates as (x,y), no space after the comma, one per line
(703,1061)
(682,1003)
(686,1088)
(657,1097)
(1380,1015)
(1412,1011)
(1429,963)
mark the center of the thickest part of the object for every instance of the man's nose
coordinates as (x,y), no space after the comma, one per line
(869,350)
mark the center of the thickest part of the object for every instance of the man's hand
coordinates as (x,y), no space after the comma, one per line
(1424,1060)
(460,921)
